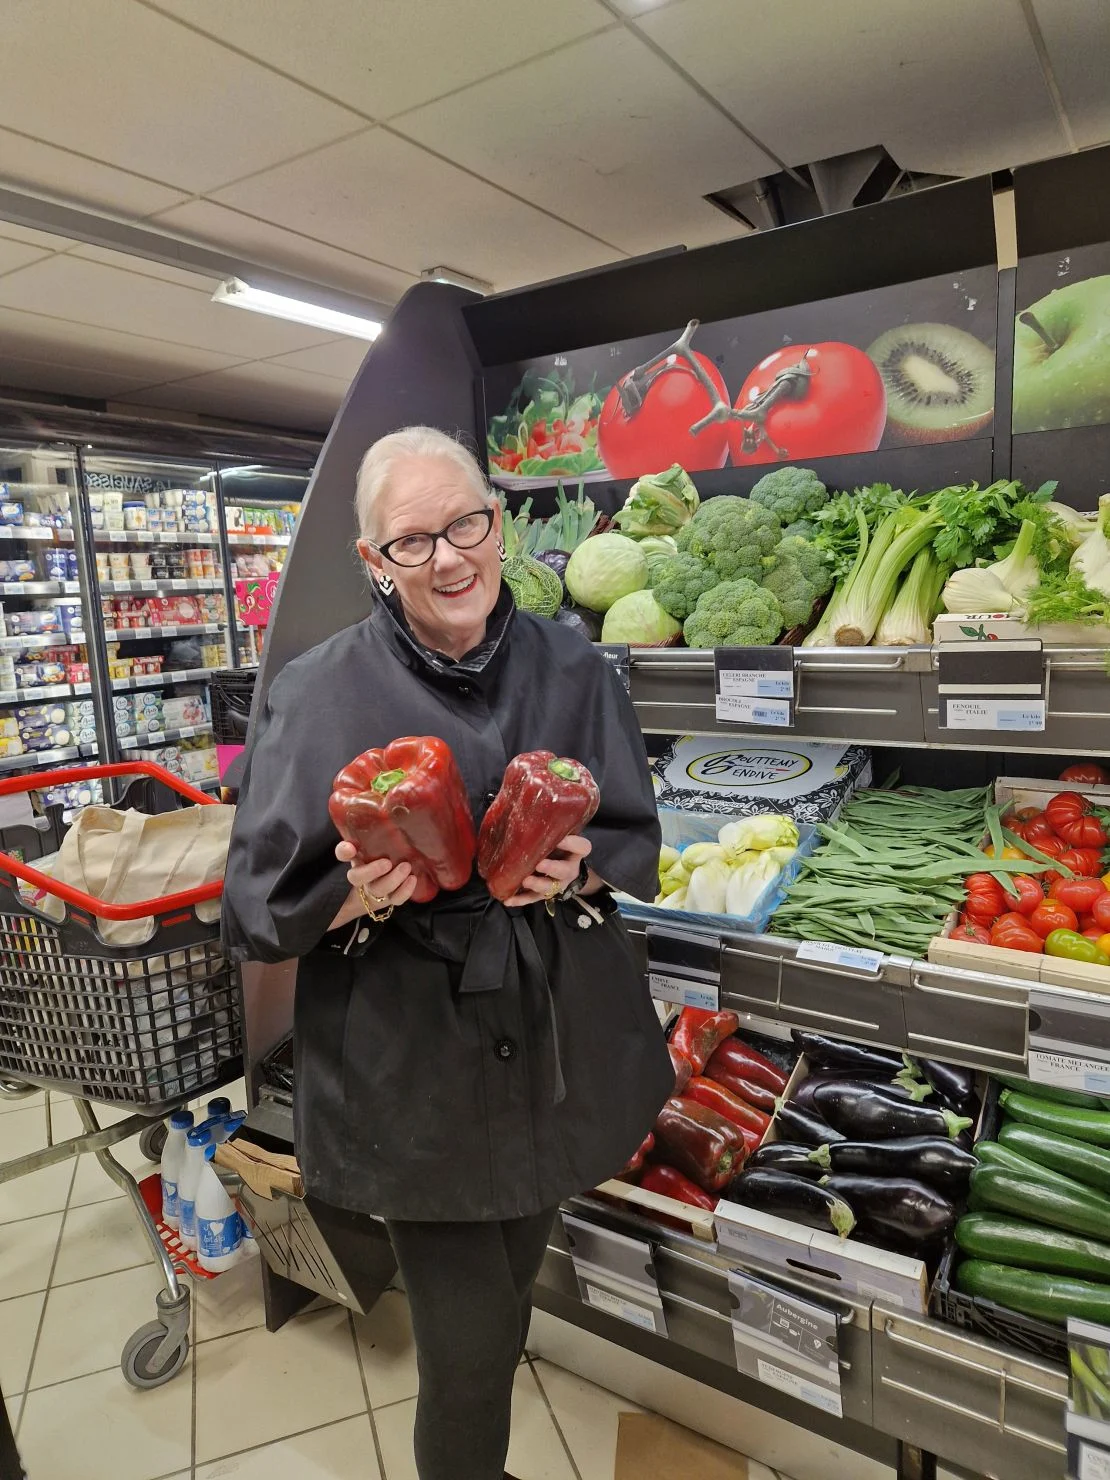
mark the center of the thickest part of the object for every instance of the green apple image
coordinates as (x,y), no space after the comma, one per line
(1062,358)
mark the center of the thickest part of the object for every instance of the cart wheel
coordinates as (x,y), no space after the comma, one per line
(152,1141)
(138,1357)
(15,1089)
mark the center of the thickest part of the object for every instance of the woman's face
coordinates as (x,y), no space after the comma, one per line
(447,600)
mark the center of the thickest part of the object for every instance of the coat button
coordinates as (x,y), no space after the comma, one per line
(505,1049)
(464,690)
(363,936)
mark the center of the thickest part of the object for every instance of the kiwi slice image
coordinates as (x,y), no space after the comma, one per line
(939,382)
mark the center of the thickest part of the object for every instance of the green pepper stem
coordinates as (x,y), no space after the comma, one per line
(386,780)
(564,769)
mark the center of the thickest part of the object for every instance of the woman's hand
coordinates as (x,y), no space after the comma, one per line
(386,884)
(553,874)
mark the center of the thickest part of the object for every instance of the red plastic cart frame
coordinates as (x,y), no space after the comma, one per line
(88,902)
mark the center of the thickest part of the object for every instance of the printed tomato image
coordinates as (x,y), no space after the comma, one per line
(672,409)
(808,400)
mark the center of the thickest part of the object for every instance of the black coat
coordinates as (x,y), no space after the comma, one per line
(464,1061)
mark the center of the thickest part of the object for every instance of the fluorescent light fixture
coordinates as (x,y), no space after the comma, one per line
(237,294)
(456,279)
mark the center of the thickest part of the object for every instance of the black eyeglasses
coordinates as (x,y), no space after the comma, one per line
(465,532)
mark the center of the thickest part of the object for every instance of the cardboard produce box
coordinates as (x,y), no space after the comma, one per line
(944,950)
(1004,626)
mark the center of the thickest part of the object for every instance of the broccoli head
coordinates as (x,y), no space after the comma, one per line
(734,614)
(677,583)
(791,493)
(733,535)
(799,575)
(804,529)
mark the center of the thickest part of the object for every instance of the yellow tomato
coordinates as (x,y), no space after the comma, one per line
(1009,852)
(1103,943)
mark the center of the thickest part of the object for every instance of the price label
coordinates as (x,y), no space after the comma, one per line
(756,683)
(615,1274)
(1088,1415)
(741,710)
(617,655)
(755,686)
(684,968)
(992,686)
(1069,1040)
(1026,715)
(830,953)
(684,993)
(786,1342)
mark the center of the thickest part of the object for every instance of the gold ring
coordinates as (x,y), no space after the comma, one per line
(554,889)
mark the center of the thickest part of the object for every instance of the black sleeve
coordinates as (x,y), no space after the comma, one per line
(625,831)
(284,884)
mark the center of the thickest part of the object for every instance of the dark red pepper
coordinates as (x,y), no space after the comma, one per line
(669,1183)
(683,1069)
(543,799)
(698,1034)
(718,1097)
(701,1143)
(407,803)
(755,1094)
(637,1159)
(746,1063)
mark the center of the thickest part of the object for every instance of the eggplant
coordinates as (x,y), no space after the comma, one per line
(794,1198)
(942,1164)
(864,1113)
(805,1126)
(556,559)
(898,1089)
(953,1082)
(836,1053)
(586,623)
(896,1205)
(788,1156)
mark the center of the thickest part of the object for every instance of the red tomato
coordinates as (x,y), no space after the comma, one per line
(1087,773)
(984,899)
(1078,894)
(968,930)
(1023,895)
(1094,934)
(1050,915)
(1084,861)
(1016,935)
(1065,808)
(1036,827)
(835,403)
(1085,832)
(651,435)
(1052,846)
(1100,911)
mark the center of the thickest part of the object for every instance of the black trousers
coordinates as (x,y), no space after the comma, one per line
(470,1293)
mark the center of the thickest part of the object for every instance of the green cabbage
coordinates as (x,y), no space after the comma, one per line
(640,621)
(603,569)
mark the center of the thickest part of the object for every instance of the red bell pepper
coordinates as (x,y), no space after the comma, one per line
(668,1183)
(543,799)
(700,1143)
(407,803)
(754,1094)
(740,1059)
(699,1033)
(638,1157)
(717,1097)
(683,1069)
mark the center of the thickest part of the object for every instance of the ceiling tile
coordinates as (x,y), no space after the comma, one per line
(45,169)
(32,238)
(231,231)
(947,86)
(18,254)
(1077,35)
(135,89)
(260,392)
(90,293)
(32,336)
(384,196)
(604,133)
(341,360)
(636,8)
(200,282)
(381,58)
(62,380)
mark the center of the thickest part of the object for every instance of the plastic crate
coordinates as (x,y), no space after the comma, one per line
(231,692)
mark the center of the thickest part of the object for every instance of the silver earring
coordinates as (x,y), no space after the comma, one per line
(385,585)
(501,548)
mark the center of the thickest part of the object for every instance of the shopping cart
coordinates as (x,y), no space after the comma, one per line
(151,1026)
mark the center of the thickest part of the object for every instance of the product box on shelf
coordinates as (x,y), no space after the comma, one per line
(1004,626)
(807,780)
(171,611)
(1018,792)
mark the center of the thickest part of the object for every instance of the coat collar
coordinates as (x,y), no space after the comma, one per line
(480,664)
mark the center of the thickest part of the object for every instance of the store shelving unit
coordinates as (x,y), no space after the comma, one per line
(260,507)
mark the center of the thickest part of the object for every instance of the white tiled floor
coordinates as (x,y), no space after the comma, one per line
(330,1397)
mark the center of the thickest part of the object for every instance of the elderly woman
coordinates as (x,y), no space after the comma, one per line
(461,1066)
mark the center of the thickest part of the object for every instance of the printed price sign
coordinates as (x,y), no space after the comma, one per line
(616,1274)
(755,686)
(786,1342)
(831,953)
(1069,1040)
(992,686)
(617,654)
(1088,1415)
(684,968)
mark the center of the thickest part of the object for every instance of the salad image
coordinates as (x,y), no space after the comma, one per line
(546,431)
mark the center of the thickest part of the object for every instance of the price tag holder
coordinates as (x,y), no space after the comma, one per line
(1088,1415)
(617,655)
(831,953)
(684,968)
(755,686)
(1069,1040)
(786,1342)
(992,686)
(616,1274)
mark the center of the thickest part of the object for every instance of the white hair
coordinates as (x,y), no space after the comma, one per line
(377,465)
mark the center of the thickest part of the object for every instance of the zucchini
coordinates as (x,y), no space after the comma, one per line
(992,1153)
(1047,1297)
(1064,1120)
(1076,1159)
(1077,1210)
(1048,1092)
(1005,1240)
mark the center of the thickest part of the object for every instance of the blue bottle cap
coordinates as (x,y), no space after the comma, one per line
(235,1121)
(209,1152)
(181,1120)
(221,1105)
(200,1137)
